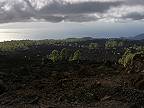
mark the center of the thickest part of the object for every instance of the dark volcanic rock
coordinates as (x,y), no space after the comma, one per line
(2,87)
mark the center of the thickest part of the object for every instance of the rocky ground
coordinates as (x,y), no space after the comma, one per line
(69,85)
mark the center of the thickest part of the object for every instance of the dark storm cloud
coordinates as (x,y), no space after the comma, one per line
(80,18)
(56,11)
(134,16)
(77,12)
(79,8)
(80,11)
(134,2)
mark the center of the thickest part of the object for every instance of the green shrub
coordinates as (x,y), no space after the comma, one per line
(93,45)
(126,58)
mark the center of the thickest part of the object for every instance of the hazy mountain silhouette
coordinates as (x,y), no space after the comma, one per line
(138,37)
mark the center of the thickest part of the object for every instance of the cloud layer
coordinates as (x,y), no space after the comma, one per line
(70,10)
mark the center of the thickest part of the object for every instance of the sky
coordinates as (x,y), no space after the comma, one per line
(70,18)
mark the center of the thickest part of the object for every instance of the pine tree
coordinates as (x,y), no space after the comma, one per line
(64,54)
(77,55)
(54,56)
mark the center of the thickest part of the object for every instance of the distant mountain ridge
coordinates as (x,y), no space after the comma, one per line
(80,39)
(137,37)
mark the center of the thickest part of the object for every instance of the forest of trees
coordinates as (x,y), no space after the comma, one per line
(91,44)
(75,49)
